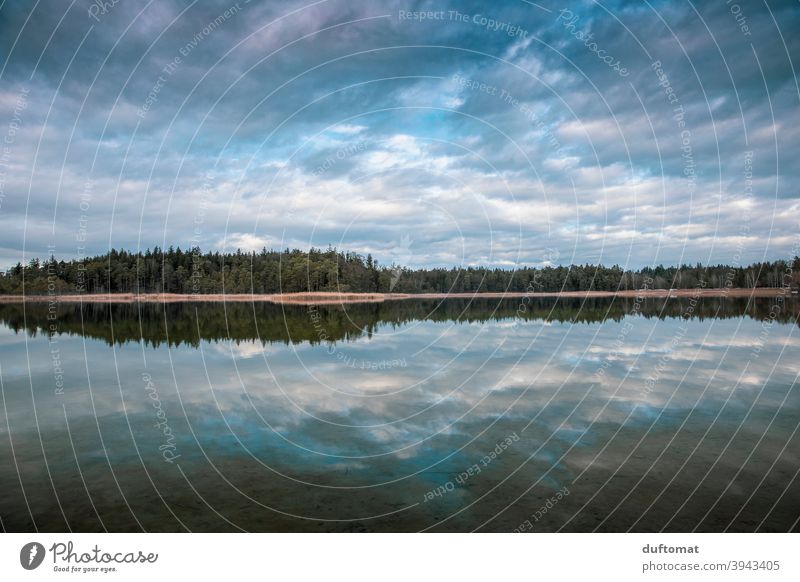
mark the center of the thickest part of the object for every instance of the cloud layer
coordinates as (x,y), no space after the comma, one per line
(428,133)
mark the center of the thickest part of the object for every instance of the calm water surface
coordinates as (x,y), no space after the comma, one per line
(557,415)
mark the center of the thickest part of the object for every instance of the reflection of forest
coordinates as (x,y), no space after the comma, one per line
(188,323)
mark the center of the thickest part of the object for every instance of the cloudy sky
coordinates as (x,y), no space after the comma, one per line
(427,133)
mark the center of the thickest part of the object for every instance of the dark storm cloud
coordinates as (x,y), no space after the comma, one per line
(487,129)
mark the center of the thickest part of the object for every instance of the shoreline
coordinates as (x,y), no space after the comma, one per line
(327,298)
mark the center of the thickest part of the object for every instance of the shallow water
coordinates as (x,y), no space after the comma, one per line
(409,415)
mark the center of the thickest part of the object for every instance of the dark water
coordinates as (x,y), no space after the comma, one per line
(561,415)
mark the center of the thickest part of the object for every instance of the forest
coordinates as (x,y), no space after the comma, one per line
(269,271)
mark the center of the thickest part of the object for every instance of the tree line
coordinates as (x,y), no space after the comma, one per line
(288,271)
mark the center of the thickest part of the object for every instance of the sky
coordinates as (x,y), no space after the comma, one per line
(425,133)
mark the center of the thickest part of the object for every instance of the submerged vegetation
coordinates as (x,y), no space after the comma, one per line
(288,271)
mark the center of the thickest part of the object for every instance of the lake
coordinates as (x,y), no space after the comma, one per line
(456,415)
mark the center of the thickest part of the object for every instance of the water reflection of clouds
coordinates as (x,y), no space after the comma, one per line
(336,409)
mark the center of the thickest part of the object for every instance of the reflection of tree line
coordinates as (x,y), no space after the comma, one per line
(187,323)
